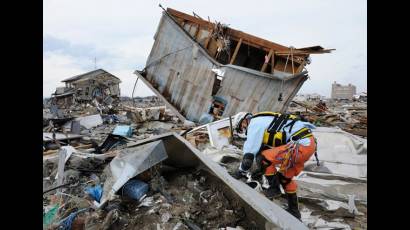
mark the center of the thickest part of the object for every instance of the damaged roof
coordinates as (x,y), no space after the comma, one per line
(89,75)
(246,38)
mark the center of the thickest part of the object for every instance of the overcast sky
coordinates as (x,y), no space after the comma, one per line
(119,34)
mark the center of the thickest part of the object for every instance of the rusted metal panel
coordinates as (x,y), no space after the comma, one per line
(181,70)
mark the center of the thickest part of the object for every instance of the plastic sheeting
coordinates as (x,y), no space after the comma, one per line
(340,152)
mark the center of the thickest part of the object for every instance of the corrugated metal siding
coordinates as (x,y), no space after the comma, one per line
(187,82)
(254,93)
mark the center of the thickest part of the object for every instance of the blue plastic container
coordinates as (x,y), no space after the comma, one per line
(135,189)
(123,130)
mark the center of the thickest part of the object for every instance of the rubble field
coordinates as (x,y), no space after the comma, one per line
(176,198)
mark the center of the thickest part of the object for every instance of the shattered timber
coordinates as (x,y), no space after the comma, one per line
(164,162)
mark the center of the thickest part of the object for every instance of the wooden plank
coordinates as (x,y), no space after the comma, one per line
(188,17)
(236,51)
(300,68)
(302,53)
(273,63)
(265,64)
(235,34)
(208,39)
(189,28)
(251,40)
(248,39)
(198,30)
(212,47)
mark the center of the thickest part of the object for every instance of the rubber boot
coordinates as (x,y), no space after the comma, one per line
(293,206)
(273,191)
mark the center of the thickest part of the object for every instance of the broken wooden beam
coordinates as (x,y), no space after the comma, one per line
(300,68)
(273,63)
(265,64)
(198,30)
(236,51)
(208,38)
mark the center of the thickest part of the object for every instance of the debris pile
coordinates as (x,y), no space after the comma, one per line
(348,115)
(87,186)
(177,200)
(94,177)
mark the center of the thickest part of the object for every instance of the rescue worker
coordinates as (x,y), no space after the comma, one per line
(275,139)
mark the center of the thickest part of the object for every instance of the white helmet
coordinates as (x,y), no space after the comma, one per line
(238,118)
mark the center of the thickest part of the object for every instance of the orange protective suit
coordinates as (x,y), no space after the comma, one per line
(277,155)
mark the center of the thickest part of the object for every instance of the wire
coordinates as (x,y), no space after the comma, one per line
(166,55)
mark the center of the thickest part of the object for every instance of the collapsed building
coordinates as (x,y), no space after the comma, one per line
(208,70)
(97,84)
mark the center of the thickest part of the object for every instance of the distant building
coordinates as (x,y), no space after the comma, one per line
(343,91)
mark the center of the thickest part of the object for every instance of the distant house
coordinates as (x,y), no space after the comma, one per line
(98,84)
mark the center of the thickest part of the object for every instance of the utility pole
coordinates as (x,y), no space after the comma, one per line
(95,63)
